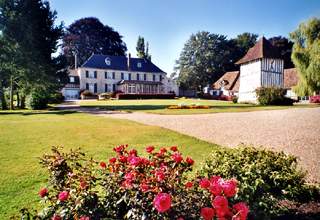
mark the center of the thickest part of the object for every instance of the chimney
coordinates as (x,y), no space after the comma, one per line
(128,62)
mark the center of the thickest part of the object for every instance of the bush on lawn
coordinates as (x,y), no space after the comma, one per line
(129,186)
(145,96)
(106,95)
(265,178)
(56,97)
(273,96)
(235,99)
(38,99)
(86,94)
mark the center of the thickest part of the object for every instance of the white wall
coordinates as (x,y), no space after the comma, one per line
(170,85)
(250,80)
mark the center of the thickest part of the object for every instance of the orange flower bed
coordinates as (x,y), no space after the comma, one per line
(188,107)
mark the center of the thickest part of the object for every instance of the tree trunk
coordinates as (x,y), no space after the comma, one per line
(23,102)
(2,98)
(11,93)
(18,100)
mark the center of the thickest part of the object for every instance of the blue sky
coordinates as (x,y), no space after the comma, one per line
(167,24)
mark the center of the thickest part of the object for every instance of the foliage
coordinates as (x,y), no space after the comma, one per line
(38,99)
(235,99)
(306,56)
(55,98)
(88,36)
(273,96)
(206,56)
(265,177)
(285,48)
(142,49)
(133,187)
(106,95)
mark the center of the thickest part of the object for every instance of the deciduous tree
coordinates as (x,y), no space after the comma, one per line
(285,47)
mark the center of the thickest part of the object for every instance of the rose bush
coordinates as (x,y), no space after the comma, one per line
(130,186)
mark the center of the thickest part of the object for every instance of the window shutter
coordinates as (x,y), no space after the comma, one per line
(145,77)
(114,87)
(121,75)
(154,78)
(95,74)
(87,86)
(113,75)
(160,78)
(106,87)
(87,74)
(129,76)
(95,88)
(105,75)
(138,76)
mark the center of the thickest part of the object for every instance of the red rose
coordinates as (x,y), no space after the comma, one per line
(56,217)
(204,183)
(242,210)
(130,176)
(160,175)
(163,150)
(149,149)
(144,187)
(134,161)
(112,160)
(122,159)
(162,202)
(215,179)
(43,192)
(215,189)
(83,184)
(63,196)
(173,148)
(189,161)
(103,165)
(119,149)
(84,218)
(207,213)
(189,184)
(177,157)
(220,203)
(133,152)
(229,187)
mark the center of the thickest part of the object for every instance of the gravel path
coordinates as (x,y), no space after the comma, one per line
(295,131)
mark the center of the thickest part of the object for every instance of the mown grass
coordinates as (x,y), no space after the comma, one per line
(159,106)
(26,135)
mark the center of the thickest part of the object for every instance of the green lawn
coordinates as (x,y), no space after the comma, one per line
(24,136)
(159,106)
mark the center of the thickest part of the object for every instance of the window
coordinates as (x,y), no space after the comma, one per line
(113,87)
(129,76)
(92,75)
(131,88)
(113,75)
(108,87)
(145,77)
(107,61)
(122,76)
(154,77)
(71,79)
(139,65)
(87,74)
(138,76)
(126,76)
(108,75)
(160,78)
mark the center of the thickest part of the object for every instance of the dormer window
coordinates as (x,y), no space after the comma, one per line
(107,61)
(72,79)
(139,65)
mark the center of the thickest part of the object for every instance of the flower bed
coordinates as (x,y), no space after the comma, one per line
(193,106)
(129,186)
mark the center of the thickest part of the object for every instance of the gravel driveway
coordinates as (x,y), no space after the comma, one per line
(295,131)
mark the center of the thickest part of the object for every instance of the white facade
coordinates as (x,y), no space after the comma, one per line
(170,85)
(263,72)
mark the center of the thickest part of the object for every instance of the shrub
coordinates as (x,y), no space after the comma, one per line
(129,186)
(235,99)
(273,96)
(56,97)
(38,99)
(106,95)
(314,99)
(145,96)
(86,94)
(265,178)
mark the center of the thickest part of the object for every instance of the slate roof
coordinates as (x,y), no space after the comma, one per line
(291,78)
(262,49)
(230,80)
(120,63)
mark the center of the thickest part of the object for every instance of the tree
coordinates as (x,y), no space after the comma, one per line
(285,47)
(142,49)
(87,36)
(29,26)
(306,56)
(203,59)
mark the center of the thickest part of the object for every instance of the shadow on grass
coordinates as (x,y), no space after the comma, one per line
(312,216)
(26,113)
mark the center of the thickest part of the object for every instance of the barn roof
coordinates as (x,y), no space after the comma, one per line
(291,77)
(230,80)
(121,63)
(262,49)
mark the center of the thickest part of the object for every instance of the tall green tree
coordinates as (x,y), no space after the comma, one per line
(306,56)
(87,36)
(284,46)
(142,49)
(29,24)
